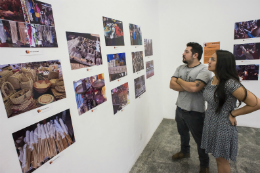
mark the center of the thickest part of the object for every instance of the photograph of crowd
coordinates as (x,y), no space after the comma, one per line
(149,69)
(139,86)
(35,30)
(116,66)
(113,31)
(138,61)
(248,51)
(148,47)
(40,142)
(84,50)
(248,72)
(90,92)
(135,34)
(247,29)
(120,97)
(27,86)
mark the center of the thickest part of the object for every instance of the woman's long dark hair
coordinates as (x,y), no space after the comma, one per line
(225,70)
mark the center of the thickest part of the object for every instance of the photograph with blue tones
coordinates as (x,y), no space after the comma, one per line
(247,29)
(135,34)
(116,66)
(249,51)
(113,31)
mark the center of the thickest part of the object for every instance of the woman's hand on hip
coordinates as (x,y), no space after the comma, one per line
(232,120)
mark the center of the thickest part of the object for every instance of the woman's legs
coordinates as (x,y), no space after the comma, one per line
(223,165)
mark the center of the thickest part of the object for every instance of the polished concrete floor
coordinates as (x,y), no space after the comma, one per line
(156,157)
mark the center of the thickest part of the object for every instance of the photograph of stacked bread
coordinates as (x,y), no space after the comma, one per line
(39,142)
(27,86)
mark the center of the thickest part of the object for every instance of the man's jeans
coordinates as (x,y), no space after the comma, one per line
(191,121)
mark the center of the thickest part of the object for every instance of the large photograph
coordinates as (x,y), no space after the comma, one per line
(116,66)
(40,142)
(139,86)
(249,51)
(113,31)
(248,72)
(26,24)
(90,92)
(138,61)
(247,29)
(120,97)
(149,69)
(84,50)
(27,86)
(135,34)
(148,47)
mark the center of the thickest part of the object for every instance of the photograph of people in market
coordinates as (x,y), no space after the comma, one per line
(138,61)
(139,86)
(28,86)
(149,69)
(116,66)
(11,10)
(84,50)
(248,72)
(135,34)
(113,31)
(120,97)
(38,143)
(248,51)
(148,47)
(90,92)
(247,29)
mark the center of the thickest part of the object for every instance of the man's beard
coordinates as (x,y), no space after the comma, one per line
(184,61)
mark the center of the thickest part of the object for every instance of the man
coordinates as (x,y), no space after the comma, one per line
(190,79)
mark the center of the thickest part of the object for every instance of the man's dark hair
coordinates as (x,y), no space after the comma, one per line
(196,48)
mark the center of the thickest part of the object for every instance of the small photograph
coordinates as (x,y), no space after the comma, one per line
(138,61)
(248,72)
(139,86)
(84,50)
(247,29)
(120,97)
(113,30)
(38,143)
(11,10)
(90,92)
(248,51)
(148,47)
(135,34)
(116,66)
(149,69)
(37,12)
(27,86)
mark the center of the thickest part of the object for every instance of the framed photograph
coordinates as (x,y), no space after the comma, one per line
(139,86)
(138,61)
(116,66)
(247,29)
(135,34)
(120,97)
(90,92)
(113,31)
(148,47)
(249,51)
(248,72)
(149,69)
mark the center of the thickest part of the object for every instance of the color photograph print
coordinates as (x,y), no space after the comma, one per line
(249,51)
(148,47)
(138,61)
(149,69)
(113,31)
(35,30)
(248,72)
(116,66)
(120,97)
(27,86)
(247,29)
(40,142)
(135,34)
(139,86)
(84,50)
(90,92)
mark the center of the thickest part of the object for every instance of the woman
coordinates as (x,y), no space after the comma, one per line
(220,135)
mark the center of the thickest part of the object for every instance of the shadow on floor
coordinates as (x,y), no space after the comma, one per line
(156,157)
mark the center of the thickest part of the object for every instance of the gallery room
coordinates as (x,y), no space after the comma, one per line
(134,86)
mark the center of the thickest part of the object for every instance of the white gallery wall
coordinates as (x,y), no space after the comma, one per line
(104,142)
(202,21)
